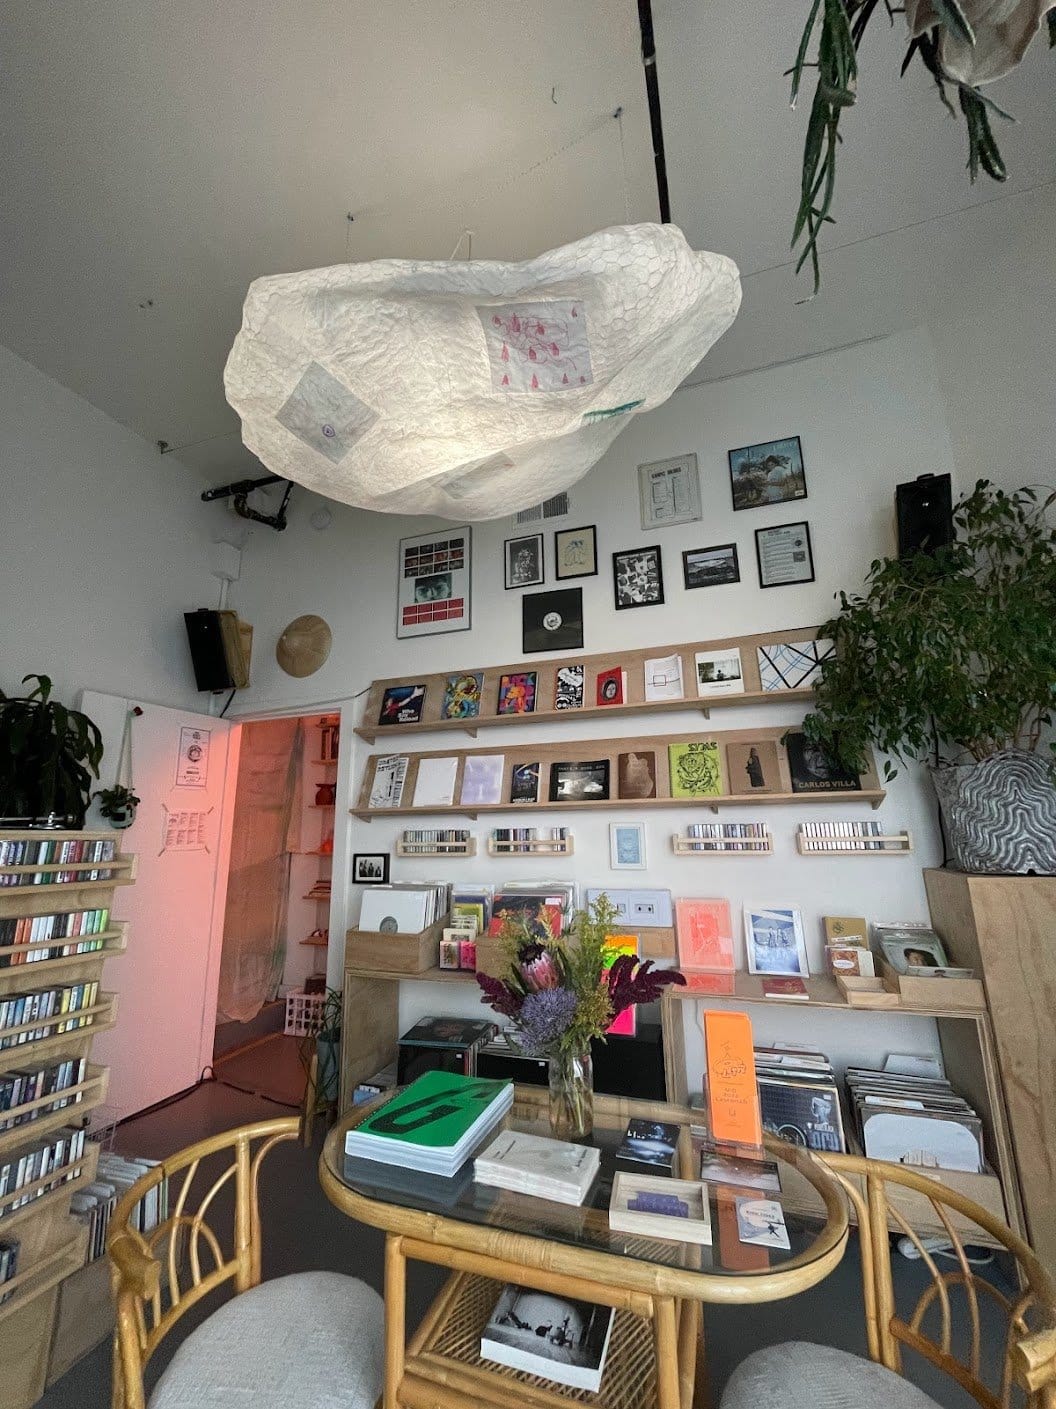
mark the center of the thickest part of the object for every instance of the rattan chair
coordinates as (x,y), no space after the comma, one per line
(314,1338)
(945,1325)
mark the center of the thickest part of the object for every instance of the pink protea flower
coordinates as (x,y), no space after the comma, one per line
(537,969)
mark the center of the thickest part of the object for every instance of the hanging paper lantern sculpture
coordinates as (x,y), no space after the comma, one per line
(471,390)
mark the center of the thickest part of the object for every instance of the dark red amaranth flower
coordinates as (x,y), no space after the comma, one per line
(636,981)
(500,996)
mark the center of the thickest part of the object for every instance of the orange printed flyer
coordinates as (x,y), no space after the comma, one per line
(733,1096)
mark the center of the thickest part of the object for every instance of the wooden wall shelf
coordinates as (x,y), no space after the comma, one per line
(536,846)
(633,661)
(451,849)
(718,846)
(41,971)
(893,844)
(610,748)
(46,1273)
(83,1097)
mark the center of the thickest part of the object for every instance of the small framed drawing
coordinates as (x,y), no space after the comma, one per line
(433,587)
(771,473)
(524,561)
(638,578)
(775,943)
(784,554)
(669,492)
(370,868)
(575,552)
(710,567)
(627,846)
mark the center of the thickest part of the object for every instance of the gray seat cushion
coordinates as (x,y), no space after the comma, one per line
(313,1339)
(797,1375)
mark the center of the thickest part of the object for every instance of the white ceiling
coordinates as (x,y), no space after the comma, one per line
(173,152)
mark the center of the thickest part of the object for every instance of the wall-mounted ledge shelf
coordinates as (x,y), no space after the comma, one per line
(47,1272)
(535,846)
(873,796)
(873,844)
(632,661)
(450,849)
(726,846)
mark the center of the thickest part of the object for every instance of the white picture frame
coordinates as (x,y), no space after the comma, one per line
(434,582)
(669,492)
(774,942)
(627,846)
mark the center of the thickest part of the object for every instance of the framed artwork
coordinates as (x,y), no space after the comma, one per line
(710,567)
(370,868)
(784,554)
(433,588)
(552,621)
(770,473)
(524,561)
(669,492)
(575,552)
(638,578)
(775,943)
(627,846)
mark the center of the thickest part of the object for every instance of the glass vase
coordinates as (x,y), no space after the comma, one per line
(572,1095)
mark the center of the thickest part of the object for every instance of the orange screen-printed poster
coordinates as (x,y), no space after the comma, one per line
(733,1096)
(705,935)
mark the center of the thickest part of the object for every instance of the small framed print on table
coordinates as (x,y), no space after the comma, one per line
(433,589)
(627,846)
(575,552)
(784,554)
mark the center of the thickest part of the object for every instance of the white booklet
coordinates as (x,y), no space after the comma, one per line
(532,1164)
(386,789)
(435,784)
(482,779)
(663,678)
(719,672)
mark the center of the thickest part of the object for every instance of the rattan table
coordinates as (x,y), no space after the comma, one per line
(488,1237)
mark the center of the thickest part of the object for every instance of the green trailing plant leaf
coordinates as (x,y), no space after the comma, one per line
(956,650)
(50,755)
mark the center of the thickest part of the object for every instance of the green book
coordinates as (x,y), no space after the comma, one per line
(436,1111)
(695,769)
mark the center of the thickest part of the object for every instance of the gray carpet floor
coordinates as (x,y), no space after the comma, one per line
(303,1231)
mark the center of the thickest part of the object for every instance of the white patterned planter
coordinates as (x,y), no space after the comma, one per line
(1000,815)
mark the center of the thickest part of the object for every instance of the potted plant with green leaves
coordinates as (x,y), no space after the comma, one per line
(50,755)
(325,1045)
(950,660)
(118,805)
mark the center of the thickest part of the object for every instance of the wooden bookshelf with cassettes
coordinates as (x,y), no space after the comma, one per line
(51,1243)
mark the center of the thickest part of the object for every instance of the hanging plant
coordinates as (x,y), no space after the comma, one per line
(962,44)
(118,805)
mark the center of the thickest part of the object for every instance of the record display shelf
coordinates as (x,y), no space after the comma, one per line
(51,1243)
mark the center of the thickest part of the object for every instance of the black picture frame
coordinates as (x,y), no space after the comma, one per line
(560,533)
(515,568)
(762,533)
(622,593)
(359,862)
(552,621)
(717,579)
(748,494)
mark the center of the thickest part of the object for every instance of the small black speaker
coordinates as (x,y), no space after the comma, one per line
(206,640)
(924,508)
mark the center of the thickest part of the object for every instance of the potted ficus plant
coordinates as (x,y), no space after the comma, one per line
(49,756)
(950,660)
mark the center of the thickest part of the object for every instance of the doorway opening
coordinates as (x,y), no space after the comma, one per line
(277,910)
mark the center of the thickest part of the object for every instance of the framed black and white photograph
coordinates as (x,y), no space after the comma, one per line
(575,552)
(784,554)
(433,588)
(552,621)
(638,578)
(370,868)
(524,561)
(547,1335)
(669,492)
(770,473)
(775,942)
(710,567)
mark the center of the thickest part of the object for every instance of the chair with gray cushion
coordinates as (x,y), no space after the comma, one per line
(313,1339)
(944,1325)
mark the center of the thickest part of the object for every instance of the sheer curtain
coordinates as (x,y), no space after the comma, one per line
(266,828)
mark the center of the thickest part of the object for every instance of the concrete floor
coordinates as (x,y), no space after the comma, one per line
(303,1231)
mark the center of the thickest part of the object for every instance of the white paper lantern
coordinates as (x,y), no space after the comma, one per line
(471,390)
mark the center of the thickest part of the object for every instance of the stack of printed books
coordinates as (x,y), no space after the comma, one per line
(434,1124)
(532,1164)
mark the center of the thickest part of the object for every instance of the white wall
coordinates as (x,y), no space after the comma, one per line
(103,545)
(869,417)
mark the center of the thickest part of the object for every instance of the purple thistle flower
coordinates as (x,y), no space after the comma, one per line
(544,1019)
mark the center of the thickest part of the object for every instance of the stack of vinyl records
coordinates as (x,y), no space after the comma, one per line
(434,1124)
(915,1120)
(525,899)
(799,1097)
(531,1164)
(472,902)
(405,907)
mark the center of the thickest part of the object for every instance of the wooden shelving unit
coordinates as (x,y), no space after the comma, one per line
(451,849)
(633,661)
(546,754)
(52,1244)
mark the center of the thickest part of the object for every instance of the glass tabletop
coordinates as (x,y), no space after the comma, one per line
(462,1198)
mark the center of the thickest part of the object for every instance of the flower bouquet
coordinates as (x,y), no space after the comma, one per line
(561,992)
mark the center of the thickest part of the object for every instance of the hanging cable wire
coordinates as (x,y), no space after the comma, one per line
(618,115)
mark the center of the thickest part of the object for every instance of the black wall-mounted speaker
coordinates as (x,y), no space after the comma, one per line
(206,640)
(924,509)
